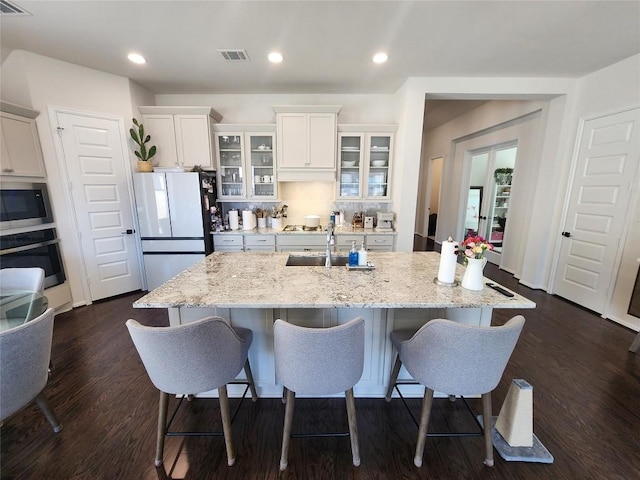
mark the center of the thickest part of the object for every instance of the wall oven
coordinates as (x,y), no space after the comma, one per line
(37,248)
(24,205)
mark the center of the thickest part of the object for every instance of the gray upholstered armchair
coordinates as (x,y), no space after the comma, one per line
(456,359)
(193,358)
(24,355)
(318,362)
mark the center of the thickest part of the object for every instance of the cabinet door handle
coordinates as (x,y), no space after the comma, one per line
(129,231)
(7,170)
(566,234)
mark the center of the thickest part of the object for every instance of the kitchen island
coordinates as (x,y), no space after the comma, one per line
(253,290)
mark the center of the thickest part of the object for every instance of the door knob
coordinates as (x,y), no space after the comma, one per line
(566,234)
(128,232)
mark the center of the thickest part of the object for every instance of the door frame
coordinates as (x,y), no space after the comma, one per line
(625,229)
(53,112)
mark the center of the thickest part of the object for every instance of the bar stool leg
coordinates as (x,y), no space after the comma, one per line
(427,401)
(486,420)
(252,385)
(226,424)
(353,426)
(42,402)
(286,434)
(394,378)
(162,426)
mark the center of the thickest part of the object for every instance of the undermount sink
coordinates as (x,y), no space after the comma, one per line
(316,260)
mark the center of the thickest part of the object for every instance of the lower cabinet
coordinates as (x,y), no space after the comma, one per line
(227,242)
(344,242)
(259,243)
(380,243)
(301,243)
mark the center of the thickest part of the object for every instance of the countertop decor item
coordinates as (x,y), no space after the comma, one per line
(472,249)
(144,155)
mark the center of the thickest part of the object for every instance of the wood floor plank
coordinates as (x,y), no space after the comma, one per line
(586,411)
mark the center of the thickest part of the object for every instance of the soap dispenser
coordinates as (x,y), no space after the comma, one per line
(362,255)
(353,255)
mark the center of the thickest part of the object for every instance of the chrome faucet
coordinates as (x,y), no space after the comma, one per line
(330,241)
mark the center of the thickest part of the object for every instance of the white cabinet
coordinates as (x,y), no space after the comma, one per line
(344,242)
(182,135)
(379,243)
(301,243)
(259,243)
(20,154)
(227,242)
(306,142)
(365,162)
(246,162)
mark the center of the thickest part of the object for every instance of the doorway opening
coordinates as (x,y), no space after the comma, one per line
(489,193)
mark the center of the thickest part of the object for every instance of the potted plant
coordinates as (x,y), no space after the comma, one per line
(144,155)
(503,175)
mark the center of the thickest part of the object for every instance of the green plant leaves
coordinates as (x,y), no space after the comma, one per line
(138,137)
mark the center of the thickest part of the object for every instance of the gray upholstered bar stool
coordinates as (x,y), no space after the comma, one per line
(319,362)
(456,359)
(193,358)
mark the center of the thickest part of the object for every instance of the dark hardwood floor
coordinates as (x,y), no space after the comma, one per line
(586,411)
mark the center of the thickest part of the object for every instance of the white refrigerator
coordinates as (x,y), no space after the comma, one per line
(173,222)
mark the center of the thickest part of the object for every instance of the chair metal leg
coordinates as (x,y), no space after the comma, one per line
(486,420)
(353,426)
(427,401)
(284,395)
(252,386)
(226,423)
(286,434)
(163,405)
(43,403)
(394,377)
(635,345)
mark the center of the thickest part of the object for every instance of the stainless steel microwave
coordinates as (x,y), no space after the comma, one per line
(24,205)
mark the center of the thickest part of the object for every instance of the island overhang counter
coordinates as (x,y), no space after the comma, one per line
(252,290)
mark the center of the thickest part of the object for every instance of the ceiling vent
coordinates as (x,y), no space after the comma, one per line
(237,55)
(8,8)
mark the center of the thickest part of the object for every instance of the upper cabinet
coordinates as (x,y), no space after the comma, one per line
(306,142)
(365,163)
(182,135)
(246,162)
(20,155)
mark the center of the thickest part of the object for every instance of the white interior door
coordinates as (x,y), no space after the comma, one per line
(95,164)
(605,173)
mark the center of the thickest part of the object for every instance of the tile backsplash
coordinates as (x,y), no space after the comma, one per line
(309,198)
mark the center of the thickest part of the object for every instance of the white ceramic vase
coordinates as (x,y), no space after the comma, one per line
(472,278)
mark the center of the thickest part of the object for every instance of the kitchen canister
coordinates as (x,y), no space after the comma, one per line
(248,220)
(233,220)
(447,267)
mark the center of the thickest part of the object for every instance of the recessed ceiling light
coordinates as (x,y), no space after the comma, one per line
(275,57)
(380,57)
(136,58)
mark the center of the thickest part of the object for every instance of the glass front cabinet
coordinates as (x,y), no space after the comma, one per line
(365,163)
(246,165)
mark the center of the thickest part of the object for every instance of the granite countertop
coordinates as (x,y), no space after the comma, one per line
(279,231)
(261,280)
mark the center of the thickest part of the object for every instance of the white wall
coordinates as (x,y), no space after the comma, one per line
(44,82)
